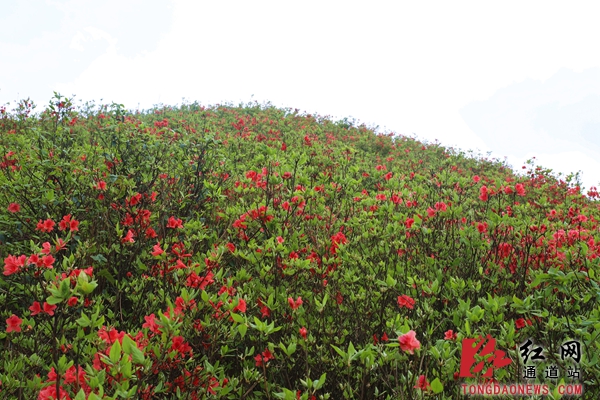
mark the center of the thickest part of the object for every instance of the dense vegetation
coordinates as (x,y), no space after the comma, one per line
(253,252)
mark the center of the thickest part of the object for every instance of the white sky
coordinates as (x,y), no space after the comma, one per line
(514,78)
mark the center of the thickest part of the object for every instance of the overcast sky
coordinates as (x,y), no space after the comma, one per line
(514,78)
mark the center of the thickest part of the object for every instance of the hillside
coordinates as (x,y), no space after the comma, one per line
(254,252)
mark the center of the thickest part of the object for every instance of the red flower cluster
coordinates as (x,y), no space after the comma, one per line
(483,193)
(174,223)
(422,383)
(13,324)
(450,335)
(303,332)
(408,342)
(406,301)
(45,226)
(47,308)
(336,240)
(68,223)
(241,306)
(521,323)
(295,304)
(263,358)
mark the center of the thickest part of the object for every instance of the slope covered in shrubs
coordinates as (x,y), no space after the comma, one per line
(253,252)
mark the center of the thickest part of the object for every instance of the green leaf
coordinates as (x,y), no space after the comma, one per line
(99,258)
(50,197)
(115,352)
(128,343)
(351,349)
(319,384)
(137,356)
(237,318)
(88,287)
(65,288)
(339,351)
(242,329)
(104,273)
(291,349)
(437,386)
(93,396)
(83,321)
(82,278)
(126,369)
(80,395)
(53,300)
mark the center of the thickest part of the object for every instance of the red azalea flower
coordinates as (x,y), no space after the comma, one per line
(151,233)
(264,357)
(72,301)
(231,247)
(406,301)
(101,185)
(49,308)
(46,248)
(259,360)
(49,393)
(157,250)
(60,244)
(408,342)
(303,332)
(135,199)
(521,323)
(128,237)
(280,239)
(13,264)
(449,335)
(151,323)
(14,207)
(180,345)
(295,304)
(47,261)
(67,222)
(35,308)
(13,324)
(483,193)
(264,310)
(45,226)
(174,223)
(241,306)
(422,383)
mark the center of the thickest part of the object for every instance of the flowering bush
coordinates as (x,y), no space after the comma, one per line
(252,252)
